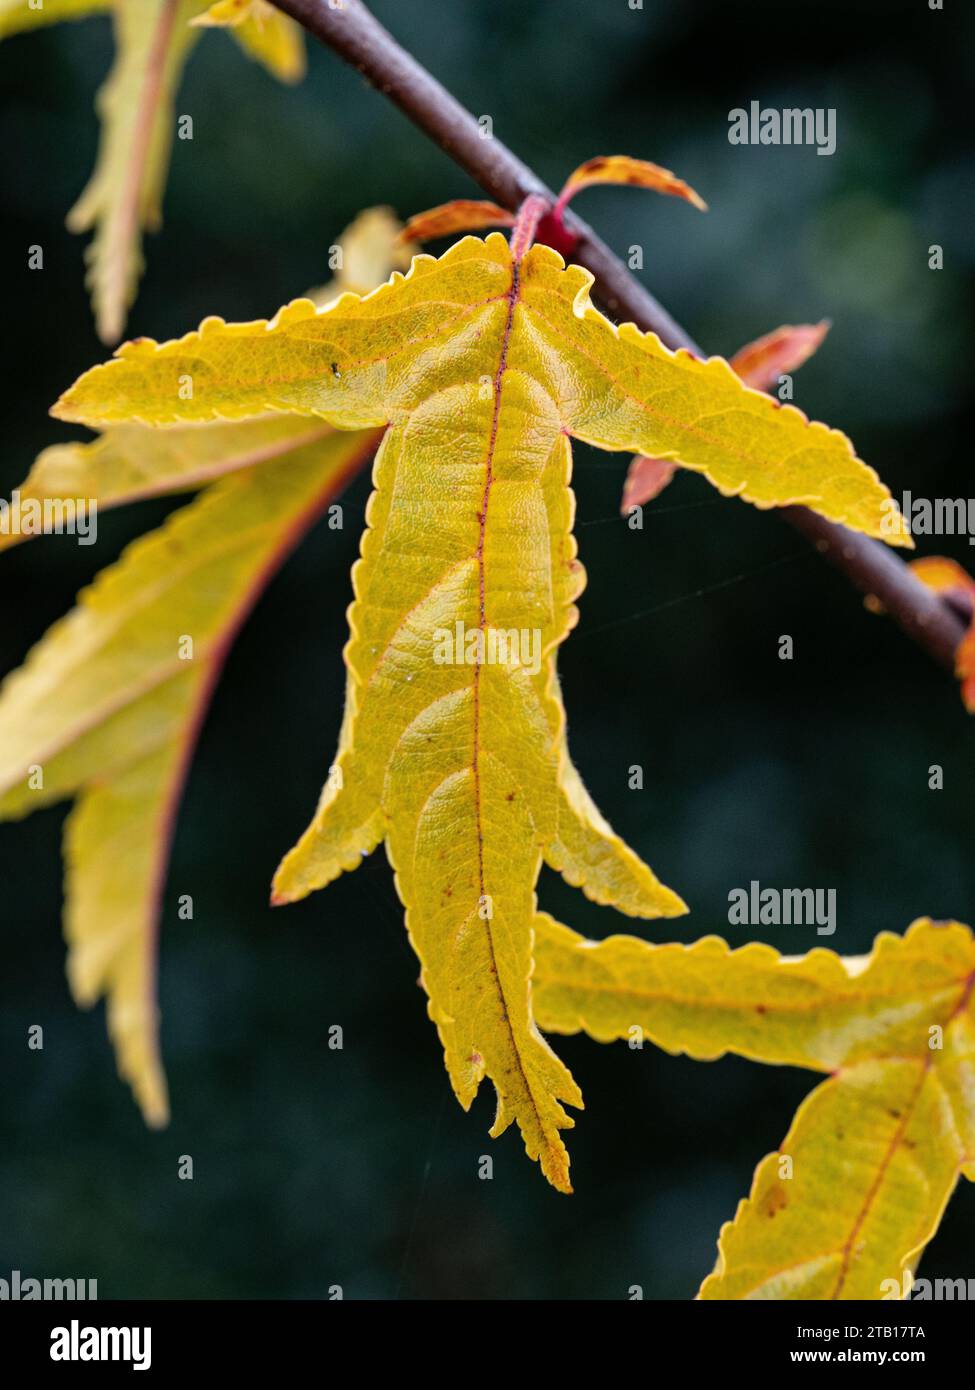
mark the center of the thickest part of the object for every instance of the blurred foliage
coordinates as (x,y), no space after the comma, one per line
(315,1167)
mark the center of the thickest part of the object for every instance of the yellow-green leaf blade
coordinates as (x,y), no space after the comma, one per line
(107,709)
(124,195)
(131,462)
(591,856)
(18,15)
(456,764)
(853,1195)
(365,362)
(115,848)
(818,1011)
(358,362)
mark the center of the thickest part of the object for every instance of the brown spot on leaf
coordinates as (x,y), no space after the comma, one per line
(773,1201)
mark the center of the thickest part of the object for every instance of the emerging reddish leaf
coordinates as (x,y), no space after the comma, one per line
(461,215)
(621,169)
(646,478)
(761,363)
(948,578)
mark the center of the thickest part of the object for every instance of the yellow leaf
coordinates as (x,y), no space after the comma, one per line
(263,32)
(126,463)
(371,248)
(452,748)
(17,15)
(873,1156)
(124,196)
(858,1186)
(107,708)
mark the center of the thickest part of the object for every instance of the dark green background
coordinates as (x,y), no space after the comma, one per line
(316,1167)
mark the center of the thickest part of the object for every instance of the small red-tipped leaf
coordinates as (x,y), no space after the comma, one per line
(622,169)
(761,363)
(461,215)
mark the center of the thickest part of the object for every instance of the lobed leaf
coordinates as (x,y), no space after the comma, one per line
(365,362)
(481,368)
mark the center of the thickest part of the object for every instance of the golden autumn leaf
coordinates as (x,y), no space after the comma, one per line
(452,750)
(859,1184)
(366,362)
(950,579)
(123,198)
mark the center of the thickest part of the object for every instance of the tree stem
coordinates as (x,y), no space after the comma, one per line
(348,28)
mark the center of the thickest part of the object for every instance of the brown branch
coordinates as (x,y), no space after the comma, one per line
(348,28)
